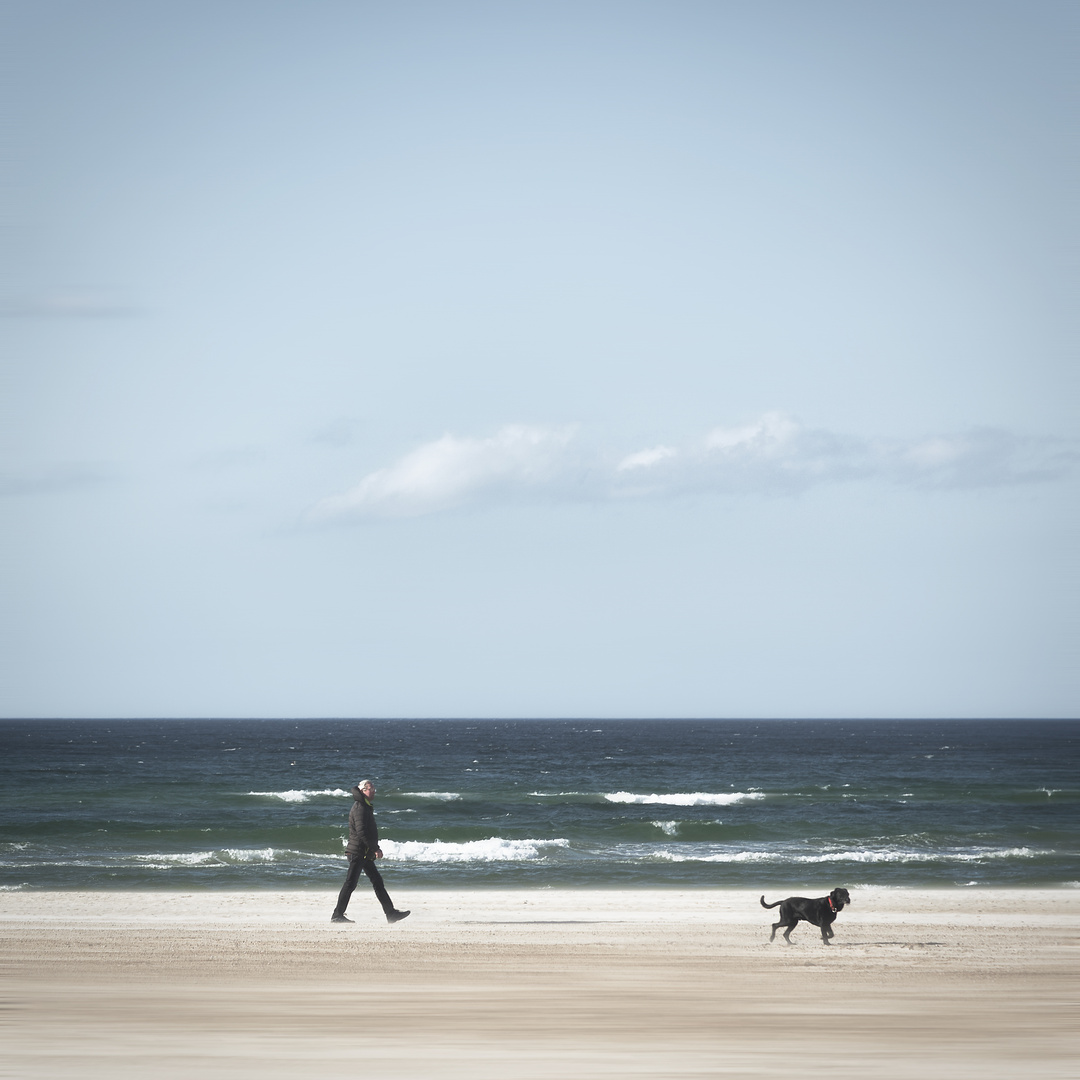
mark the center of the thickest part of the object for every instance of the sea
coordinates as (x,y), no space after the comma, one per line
(783,805)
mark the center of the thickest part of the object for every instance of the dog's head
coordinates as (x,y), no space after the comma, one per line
(840,897)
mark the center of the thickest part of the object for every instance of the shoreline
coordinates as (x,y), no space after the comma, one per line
(396,885)
(938,982)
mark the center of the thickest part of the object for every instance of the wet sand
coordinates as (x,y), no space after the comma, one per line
(535,983)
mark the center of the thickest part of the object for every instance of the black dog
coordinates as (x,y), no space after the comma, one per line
(821,912)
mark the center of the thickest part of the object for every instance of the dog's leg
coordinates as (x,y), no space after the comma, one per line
(787,932)
(775,926)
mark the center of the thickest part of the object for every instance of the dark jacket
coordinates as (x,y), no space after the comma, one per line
(363,834)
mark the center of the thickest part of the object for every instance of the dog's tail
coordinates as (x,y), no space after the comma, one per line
(764,905)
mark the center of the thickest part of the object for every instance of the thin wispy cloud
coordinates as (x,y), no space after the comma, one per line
(337,434)
(52,480)
(773,455)
(70,304)
(229,459)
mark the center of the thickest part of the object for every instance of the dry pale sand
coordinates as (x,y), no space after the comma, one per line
(535,983)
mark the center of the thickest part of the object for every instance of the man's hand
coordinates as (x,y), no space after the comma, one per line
(378,853)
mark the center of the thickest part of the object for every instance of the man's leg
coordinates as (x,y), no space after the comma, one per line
(376,880)
(351,878)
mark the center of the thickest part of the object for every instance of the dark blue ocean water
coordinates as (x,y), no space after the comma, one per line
(785,804)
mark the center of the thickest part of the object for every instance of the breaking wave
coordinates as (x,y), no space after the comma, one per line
(494,849)
(299,795)
(854,856)
(694,798)
(223,857)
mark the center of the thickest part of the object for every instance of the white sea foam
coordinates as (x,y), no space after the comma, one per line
(693,798)
(978,855)
(856,856)
(440,796)
(219,858)
(251,854)
(669,828)
(185,858)
(299,795)
(494,849)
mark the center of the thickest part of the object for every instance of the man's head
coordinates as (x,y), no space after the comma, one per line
(366,787)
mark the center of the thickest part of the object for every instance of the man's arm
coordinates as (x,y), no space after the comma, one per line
(369,833)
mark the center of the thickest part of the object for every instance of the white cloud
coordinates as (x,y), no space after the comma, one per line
(984,457)
(773,455)
(768,435)
(644,459)
(450,471)
(934,452)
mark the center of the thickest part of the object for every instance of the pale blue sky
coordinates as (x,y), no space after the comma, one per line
(538,359)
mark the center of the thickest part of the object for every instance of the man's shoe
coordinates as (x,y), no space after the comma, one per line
(396,916)
(339,918)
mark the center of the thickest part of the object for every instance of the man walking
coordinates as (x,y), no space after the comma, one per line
(363,850)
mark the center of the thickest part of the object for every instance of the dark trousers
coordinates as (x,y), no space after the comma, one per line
(356,864)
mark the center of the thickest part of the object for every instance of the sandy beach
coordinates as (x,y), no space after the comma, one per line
(531,983)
